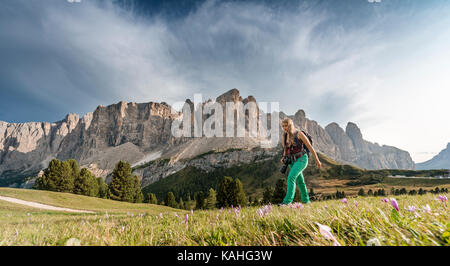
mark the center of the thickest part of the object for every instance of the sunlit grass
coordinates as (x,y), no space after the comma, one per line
(371,222)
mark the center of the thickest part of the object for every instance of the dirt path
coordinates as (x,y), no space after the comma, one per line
(41,206)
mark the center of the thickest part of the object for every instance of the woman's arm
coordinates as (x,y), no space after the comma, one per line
(308,145)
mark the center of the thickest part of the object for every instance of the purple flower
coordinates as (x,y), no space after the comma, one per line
(411,208)
(264,210)
(296,205)
(123,228)
(443,198)
(385,200)
(395,204)
(192,211)
(427,208)
(356,204)
(187,219)
(344,200)
(325,231)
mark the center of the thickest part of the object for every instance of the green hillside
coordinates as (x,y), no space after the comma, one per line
(73,201)
(256,176)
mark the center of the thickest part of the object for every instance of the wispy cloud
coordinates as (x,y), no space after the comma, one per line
(370,63)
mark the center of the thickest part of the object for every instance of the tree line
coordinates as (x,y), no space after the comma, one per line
(230,192)
(65,176)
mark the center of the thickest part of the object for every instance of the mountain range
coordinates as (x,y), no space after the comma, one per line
(140,133)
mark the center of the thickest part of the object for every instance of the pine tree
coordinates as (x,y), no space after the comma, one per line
(361,192)
(49,180)
(151,198)
(123,185)
(238,196)
(421,191)
(370,192)
(66,180)
(86,184)
(138,196)
(268,195)
(170,200)
(103,189)
(181,203)
(223,195)
(199,200)
(211,200)
(280,191)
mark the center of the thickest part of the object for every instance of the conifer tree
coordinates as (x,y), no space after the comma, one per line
(122,186)
(361,192)
(237,193)
(181,203)
(199,200)
(151,198)
(280,191)
(223,195)
(170,200)
(268,195)
(211,200)
(103,190)
(86,184)
(66,179)
(138,196)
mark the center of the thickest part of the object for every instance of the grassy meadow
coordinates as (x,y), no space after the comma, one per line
(368,221)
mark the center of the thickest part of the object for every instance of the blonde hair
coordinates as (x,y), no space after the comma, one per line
(290,131)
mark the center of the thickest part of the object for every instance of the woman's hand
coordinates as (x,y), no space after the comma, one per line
(319,164)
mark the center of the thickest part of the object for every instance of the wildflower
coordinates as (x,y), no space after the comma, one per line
(443,198)
(187,219)
(395,204)
(237,212)
(28,214)
(123,228)
(325,231)
(42,226)
(356,204)
(411,208)
(161,215)
(385,200)
(264,210)
(192,212)
(344,200)
(427,208)
(176,215)
(297,205)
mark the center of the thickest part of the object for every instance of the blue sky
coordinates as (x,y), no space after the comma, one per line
(384,66)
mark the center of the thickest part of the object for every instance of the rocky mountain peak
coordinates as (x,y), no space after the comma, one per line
(300,114)
(229,96)
(353,131)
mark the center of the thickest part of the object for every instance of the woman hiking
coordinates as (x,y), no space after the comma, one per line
(294,144)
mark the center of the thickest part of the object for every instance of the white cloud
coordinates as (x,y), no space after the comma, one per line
(373,72)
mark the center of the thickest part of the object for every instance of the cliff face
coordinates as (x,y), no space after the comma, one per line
(440,161)
(135,132)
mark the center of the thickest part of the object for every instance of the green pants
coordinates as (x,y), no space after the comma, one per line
(296,175)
